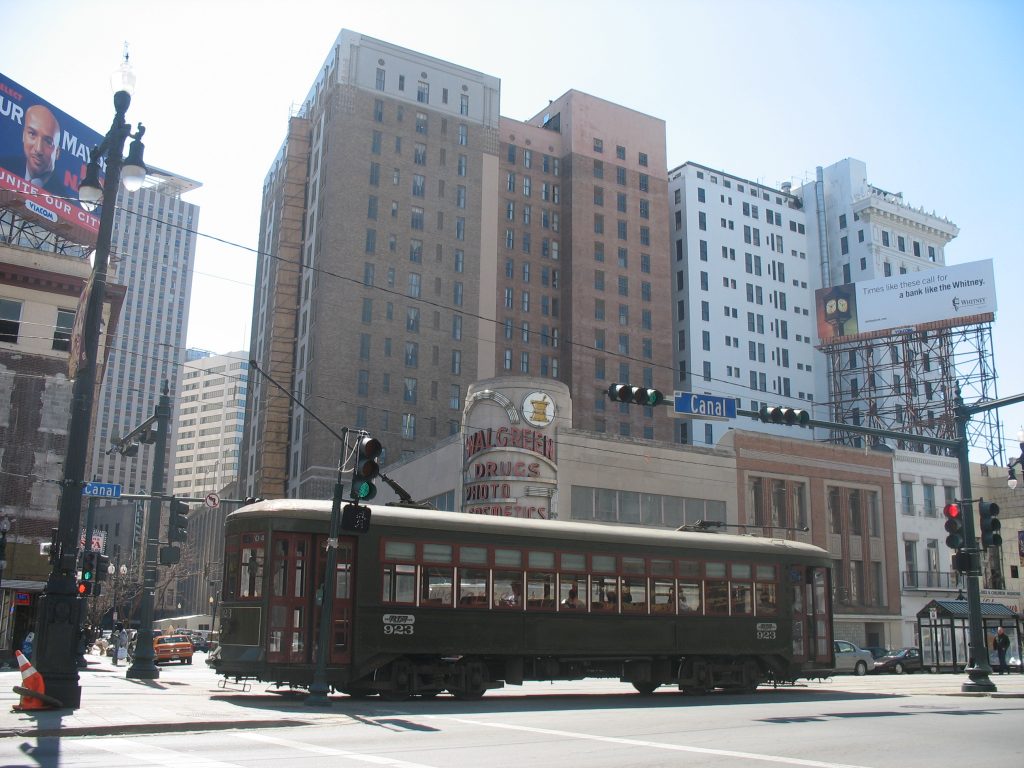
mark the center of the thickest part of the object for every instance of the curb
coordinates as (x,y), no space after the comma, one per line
(146,729)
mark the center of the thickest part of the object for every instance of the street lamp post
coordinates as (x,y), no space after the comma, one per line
(59,612)
(5,526)
(1011,479)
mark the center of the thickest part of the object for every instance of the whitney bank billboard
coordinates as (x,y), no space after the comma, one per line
(43,155)
(906,301)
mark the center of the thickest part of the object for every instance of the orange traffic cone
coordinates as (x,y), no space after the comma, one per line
(33,687)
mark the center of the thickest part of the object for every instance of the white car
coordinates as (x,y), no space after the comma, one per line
(850,658)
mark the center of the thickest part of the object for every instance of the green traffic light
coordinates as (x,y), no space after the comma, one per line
(364,490)
(87,575)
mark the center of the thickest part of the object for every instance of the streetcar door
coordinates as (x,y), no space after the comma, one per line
(340,635)
(289,624)
(812,614)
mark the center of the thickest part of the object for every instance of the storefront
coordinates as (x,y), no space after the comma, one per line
(17,615)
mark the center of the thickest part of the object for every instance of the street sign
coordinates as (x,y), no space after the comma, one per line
(212,500)
(104,490)
(710,407)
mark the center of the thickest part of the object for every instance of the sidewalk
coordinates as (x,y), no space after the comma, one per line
(187,698)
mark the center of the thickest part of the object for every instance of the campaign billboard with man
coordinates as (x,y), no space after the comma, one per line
(43,156)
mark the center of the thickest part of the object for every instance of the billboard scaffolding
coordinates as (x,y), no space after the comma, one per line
(905,379)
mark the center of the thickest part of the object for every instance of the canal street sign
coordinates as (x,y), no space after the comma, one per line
(104,490)
(710,407)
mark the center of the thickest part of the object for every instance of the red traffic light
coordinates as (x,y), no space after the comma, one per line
(951,511)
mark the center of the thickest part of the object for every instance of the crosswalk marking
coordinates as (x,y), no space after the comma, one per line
(315,749)
(143,754)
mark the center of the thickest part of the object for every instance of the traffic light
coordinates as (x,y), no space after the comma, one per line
(177,524)
(355,518)
(366,467)
(954,526)
(624,393)
(777,414)
(990,524)
(89,565)
(102,567)
(961,562)
(86,588)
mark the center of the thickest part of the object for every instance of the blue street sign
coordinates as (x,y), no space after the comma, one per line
(106,490)
(711,407)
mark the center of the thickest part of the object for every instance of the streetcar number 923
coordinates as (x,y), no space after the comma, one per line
(399,623)
(767,630)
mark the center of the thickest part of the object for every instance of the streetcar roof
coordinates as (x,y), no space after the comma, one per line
(421,520)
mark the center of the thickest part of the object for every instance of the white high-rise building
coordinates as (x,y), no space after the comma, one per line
(744,319)
(212,414)
(152,254)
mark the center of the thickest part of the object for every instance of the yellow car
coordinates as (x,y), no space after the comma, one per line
(173,648)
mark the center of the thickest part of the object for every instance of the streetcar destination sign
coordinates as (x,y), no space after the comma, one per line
(710,407)
(105,490)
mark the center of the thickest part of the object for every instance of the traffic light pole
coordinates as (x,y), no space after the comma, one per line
(143,665)
(979,670)
(318,688)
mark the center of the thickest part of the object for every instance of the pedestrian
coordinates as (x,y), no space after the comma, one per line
(120,644)
(1001,644)
(26,644)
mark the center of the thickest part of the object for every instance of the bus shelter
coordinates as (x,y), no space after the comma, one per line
(942,627)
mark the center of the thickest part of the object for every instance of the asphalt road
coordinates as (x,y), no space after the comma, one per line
(873,722)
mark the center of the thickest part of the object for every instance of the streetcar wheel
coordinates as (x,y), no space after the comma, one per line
(645,688)
(860,669)
(474,682)
(402,679)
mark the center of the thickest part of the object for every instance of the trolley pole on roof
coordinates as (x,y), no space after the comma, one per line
(318,689)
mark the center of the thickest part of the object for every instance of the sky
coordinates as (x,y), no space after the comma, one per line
(928,93)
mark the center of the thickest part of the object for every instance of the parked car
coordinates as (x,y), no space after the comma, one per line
(877,651)
(900,660)
(173,648)
(850,658)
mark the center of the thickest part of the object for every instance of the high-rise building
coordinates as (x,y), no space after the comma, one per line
(583,290)
(744,300)
(413,242)
(209,430)
(152,255)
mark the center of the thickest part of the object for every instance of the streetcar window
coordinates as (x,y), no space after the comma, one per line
(508,557)
(300,568)
(689,598)
(251,572)
(765,573)
(437,553)
(663,596)
(717,598)
(633,565)
(436,586)
(572,591)
(399,550)
(541,559)
(508,588)
(604,593)
(297,643)
(689,569)
(399,584)
(473,555)
(572,562)
(661,567)
(602,563)
(472,586)
(540,590)
(767,604)
(742,600)
(740,570)
(634,593)
(714,570)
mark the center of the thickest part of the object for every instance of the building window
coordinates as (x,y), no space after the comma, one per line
(423,92)
(463,134)
(421,123)
(62,330)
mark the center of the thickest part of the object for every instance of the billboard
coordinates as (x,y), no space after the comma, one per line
(43,155)
(931,295)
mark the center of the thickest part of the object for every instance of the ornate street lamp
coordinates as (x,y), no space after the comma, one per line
(1011,479)
(60,608)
